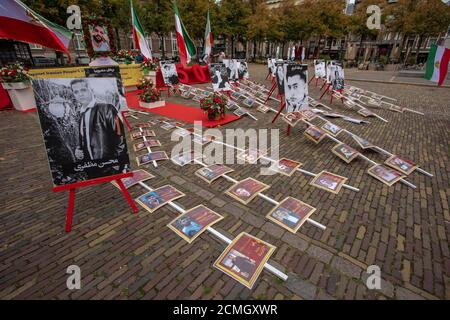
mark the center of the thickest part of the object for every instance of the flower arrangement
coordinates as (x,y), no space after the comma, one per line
(150,65)
(98,21)
(14,73)
(145,84)
(150,95)
(125,56)
(214,105)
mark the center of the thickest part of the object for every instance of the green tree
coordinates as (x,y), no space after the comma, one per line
(258,23)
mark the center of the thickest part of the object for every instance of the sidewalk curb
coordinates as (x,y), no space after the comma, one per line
(401,83)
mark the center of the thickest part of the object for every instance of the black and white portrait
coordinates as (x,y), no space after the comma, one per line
(116,99)
(169,72)
(296,87)
(338,78)
(319,69)
(243,70)
(83,131)
(331,67)
(232,69)
(279,76)
(219,77)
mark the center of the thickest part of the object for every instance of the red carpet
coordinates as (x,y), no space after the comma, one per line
(179,112)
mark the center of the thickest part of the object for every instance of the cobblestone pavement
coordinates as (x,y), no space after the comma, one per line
(124,256)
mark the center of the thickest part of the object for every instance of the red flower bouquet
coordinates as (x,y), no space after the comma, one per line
(214,106)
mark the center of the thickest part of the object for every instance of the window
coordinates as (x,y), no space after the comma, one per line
(149,42)
(431,41)
(173,41)
(79,41)
(34,46)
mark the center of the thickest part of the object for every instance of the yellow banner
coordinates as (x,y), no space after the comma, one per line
(131,73)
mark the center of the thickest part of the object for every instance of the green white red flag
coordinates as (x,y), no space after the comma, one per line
(437,64)
(139,40)
(208,39)
(185,45)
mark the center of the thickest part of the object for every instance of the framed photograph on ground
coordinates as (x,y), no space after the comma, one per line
(263,108)
(236,95)
(83,133)
(291,214)
(138,176)
(191,224)
(184,158)
(403,165)
(249,102)
(186,94)
(144,133)
(345,152)
(201,140)
(169,72)
(251,156)
(287,167)
(296,87)
(244,258)
(292,118)
(150,157)
(231,105)
(314,134)
(239,112)
(182,132)
(167,126)
(363,143)
(212,172)
(365,113)
(308,115)
(329,181)
(396,108)
(157,198)
(385,174)
(331,128)
(246,190)
(144,126)
(144,144)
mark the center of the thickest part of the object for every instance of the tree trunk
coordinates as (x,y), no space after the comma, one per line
(404,41)
(318,47)
(418,48)
(163,52)
(254,50)
(232,47)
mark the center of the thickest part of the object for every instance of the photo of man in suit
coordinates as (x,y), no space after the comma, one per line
(296,87)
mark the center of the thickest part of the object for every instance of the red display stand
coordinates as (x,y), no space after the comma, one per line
(72,187)
(5,101)
(124,116)
(272,89)
(160,85)
(195,74)
(282,106)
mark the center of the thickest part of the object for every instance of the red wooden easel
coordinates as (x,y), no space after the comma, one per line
(72,187)
(282,106)
(160,85)
(272,89)
(124,116)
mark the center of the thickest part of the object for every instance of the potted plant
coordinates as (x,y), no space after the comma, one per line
(16,81)
(214,106)
(150,98)
(149,68)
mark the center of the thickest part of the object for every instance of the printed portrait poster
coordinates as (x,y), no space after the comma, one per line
(155,199)
(296,87)
(287,166)
(138,176)
(246,190)
(401,164)
(99,38)
(386,175)
(219,77)
(270,66)
(169,72)
(194,222)
(110,72)
(329,181)
(83,133)
(183,158)
(150,143)
(244,258)
(279,76)
(232,69)
(338,78)
(243,70)
(331,128)
(291,214)
(212,172)
(345,152)
(150,157)
(363,143)
(314,134)
(319,69)
(331,66)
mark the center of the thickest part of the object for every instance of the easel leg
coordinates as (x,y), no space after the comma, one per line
(326,90)
(331,97)
(127,196)
(288,132)
(317,81)
(311,80)
(279,112)
(70,210)
(126,121)
(324,83)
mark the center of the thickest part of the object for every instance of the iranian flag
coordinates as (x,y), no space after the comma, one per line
(437,64)
(18,22)
(185,44)
(208,38)
(139,41)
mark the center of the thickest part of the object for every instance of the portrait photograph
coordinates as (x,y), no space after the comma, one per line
(249,102)
(169,72)
(314,134)
(231,105)
(331,128)
(286,166)
(239,112)
(345,152)
(308,114)
(83,132)
(138,176)
(338,78)
(292,118)
(291,214)
(212,172)
(244,258)
(184,158)
(141,134)
(167,126)
(236,95)
(262,108)
(362,142)
(232,66)
(246,190)
(243,70)
(150,157)
(157,198)
(329,181)
(146,144)
(279,76)
(99,38)
(219,77)
(401,164)
(296,87)
(331,68)
(186,94)
(385,174)
(191,224)
(319,69)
